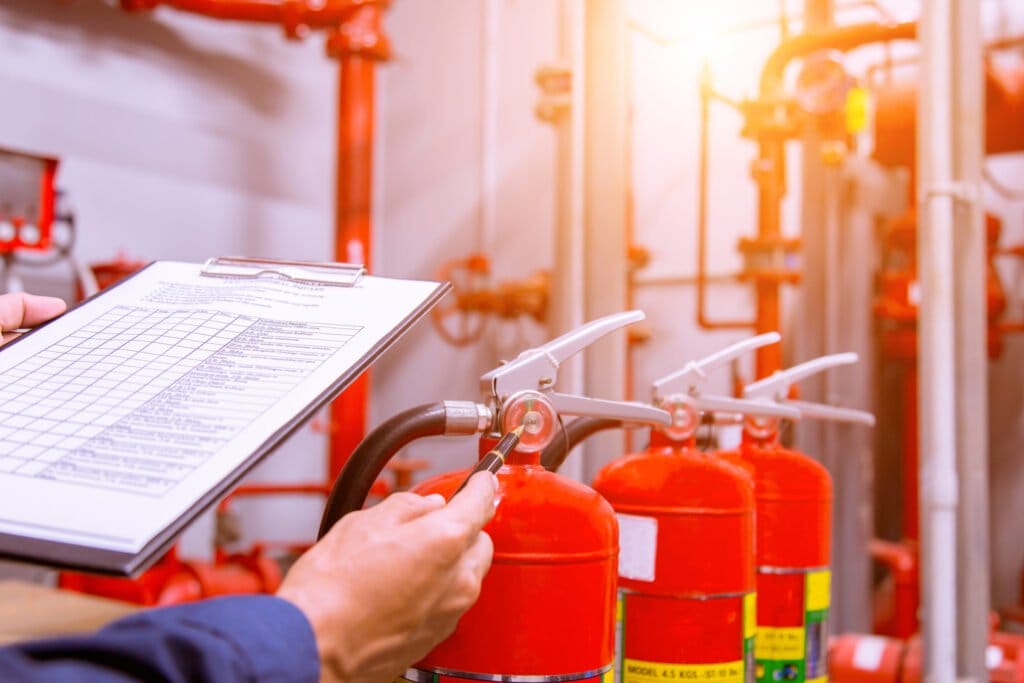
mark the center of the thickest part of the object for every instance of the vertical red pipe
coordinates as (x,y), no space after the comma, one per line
(910,454)
(357,45)
(770,172)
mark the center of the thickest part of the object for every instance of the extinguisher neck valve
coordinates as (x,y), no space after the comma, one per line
(692,377)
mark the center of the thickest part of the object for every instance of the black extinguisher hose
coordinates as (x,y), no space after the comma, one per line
(373,453)
(573,433)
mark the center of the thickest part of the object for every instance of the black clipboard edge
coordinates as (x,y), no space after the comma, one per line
(60,555)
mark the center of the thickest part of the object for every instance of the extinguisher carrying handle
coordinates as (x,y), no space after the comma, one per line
(822,411)
(761,408)
(368,460)
(628,412)
(572,434)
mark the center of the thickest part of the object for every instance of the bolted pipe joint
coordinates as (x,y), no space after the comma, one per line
(362,35)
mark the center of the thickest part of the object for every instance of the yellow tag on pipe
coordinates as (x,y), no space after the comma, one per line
(858,104)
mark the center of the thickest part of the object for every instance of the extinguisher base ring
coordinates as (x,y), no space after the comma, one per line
(425,675)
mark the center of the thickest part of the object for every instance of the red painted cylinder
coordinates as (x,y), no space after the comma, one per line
(546,608)
(686,570)
(896,116)
(856,658)
(793,496)
(876,659)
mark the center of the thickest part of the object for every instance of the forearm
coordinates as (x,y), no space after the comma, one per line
(246,639)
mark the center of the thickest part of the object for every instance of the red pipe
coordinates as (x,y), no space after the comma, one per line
(910,454)
(896,118)
(295,16)
(703,319)
(901,561)
(357,45)
(769,169)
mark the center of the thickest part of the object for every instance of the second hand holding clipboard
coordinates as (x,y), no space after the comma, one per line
(162,391)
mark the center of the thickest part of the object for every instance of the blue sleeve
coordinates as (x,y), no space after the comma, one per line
(254,638)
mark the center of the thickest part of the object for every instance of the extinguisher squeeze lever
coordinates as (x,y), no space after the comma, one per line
(680,393)
(686,385)
(535,371)
(776,388)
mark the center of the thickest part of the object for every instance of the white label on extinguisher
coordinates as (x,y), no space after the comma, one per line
(993,657)
(914,293)
(638,547)
(867,655)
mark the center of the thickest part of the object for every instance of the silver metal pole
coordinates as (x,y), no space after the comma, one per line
(604,213)
(973,597)
(936,341)
(568,286)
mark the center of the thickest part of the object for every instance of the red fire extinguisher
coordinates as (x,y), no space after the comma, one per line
(858,658)
(686,607)
(793,494)
(546,608)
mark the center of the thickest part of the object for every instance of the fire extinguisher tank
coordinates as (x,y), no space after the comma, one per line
(793,494)
(686,575)
(545,612)
(549,598)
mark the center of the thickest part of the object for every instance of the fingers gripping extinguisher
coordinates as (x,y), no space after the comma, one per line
(686,533)
(546,608)
(793,495)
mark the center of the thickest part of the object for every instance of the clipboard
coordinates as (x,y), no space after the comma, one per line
(256,292)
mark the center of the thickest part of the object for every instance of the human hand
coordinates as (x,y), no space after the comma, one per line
(387,584)
(25,310)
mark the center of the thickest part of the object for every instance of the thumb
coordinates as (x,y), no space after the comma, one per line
(474,505)
(25,310)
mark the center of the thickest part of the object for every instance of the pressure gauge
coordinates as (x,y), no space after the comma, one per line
(823,83)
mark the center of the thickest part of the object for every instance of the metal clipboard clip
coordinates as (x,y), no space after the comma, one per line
(307,272)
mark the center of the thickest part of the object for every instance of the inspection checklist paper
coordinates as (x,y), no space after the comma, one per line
(123,419)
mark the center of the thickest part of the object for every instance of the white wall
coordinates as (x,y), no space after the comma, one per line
(181,138)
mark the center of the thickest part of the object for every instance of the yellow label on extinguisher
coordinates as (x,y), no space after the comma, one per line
(779,643)
(818,590)
(637,671)
(749,615)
